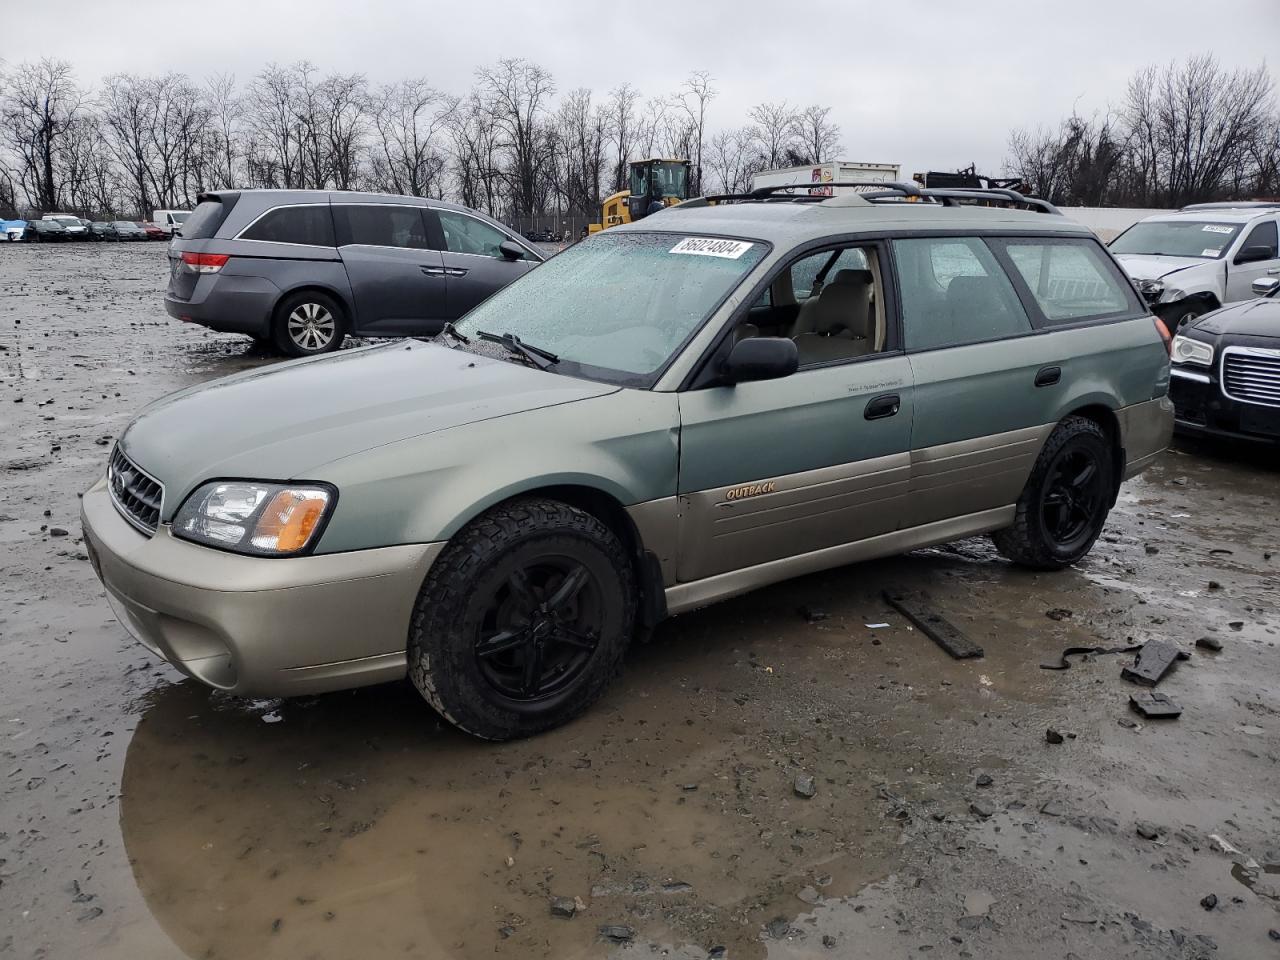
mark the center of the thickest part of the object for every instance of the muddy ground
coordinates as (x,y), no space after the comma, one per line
(142,816)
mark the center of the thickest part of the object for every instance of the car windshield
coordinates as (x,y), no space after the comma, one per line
(124,224)
(67,221)
(179,217)
(618,306)
(1177,238)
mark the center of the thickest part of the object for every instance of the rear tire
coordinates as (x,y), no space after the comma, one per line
(523,620)
(307,324)
(1064,505)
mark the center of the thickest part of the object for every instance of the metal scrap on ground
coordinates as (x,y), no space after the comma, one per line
(942,632)
(1152,662)
(1154,705)
(1062,663)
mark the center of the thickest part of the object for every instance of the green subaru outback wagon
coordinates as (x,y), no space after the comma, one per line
(718,397)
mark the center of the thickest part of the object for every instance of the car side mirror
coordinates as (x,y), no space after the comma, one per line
(1256,252)
(511,250)
(1265,287)
(760,358)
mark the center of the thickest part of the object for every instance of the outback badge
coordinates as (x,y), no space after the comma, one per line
(749,490)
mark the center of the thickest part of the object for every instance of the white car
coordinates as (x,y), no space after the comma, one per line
(1199,258)
(75,227)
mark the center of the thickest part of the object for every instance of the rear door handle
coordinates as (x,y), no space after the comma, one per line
(1048,376)
(434,271)
(455,271)
(886,405)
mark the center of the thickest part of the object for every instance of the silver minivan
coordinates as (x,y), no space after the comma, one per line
(299,270)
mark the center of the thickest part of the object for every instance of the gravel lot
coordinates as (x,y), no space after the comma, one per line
(142,816)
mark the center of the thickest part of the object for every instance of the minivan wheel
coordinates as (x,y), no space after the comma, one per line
(523,619)
(307,324)
(1065,503)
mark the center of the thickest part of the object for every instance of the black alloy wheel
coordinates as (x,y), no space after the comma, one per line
(540,629)
(1073,496)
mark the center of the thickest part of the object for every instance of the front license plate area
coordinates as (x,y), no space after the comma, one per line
(1264,420)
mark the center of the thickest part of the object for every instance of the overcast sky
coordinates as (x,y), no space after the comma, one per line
(924,83)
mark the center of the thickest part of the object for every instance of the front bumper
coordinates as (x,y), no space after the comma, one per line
(257,626)
(1200,407)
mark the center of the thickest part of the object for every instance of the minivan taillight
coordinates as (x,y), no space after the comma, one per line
(1163,330)
(204,262)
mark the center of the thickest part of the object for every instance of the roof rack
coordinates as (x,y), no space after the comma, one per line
(1234,205)
(881,191)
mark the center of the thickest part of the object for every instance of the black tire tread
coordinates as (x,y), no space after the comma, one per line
(1019,542)
(447,584)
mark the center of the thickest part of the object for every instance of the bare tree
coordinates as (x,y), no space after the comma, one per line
(518,92)
(581,130)
(773,128)
(409,117)
(226,113)
(39,112)
(622,129)
(730,160)
(692,101)
(817,135)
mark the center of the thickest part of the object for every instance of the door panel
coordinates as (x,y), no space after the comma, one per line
(1240,277)
(475,267)
(979,424)
(398,283)
(783,467)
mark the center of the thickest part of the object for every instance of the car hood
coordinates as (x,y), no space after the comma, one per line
(281,422)
(1253,318)
(1142,266)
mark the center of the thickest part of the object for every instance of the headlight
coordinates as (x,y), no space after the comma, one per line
(1186,350)
(1151,289)
(262,519)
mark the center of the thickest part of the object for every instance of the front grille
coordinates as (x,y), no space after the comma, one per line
(1251,376)
(136,495)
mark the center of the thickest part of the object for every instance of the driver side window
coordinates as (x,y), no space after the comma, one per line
(464,234)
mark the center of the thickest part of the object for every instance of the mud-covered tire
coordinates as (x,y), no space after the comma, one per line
(307,324)
(1035,540)
(472,578)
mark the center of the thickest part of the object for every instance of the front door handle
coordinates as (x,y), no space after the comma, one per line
(1048,376)
(455,271)
(434,271)
(886,405)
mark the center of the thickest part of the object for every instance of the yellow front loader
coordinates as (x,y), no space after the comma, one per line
(655,183)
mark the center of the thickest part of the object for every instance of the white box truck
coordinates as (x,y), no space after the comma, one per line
(833,171)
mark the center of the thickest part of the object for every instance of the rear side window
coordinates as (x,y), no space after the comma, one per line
(311,225)
(381,226)
(1071,280)
(205,220)
(954,291)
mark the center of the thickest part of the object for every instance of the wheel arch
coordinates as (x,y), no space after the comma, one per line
(313,286)
(609,509)
(1105,417)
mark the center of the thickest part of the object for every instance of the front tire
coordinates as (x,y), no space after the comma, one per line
(523,620)
(1064,505)
(307,324)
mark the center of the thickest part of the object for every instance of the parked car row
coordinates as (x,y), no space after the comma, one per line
(1211,271)
(53,227)
(63,227)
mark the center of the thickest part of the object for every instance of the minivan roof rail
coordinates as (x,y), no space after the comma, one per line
(883,191)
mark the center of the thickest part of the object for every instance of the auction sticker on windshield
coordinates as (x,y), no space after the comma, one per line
(1217,228)
(711,247)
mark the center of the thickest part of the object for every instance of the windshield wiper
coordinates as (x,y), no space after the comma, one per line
(452,331)
(542,359)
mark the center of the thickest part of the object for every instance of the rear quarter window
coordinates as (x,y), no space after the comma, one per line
(1071,281)
(205,219)
(311,225)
